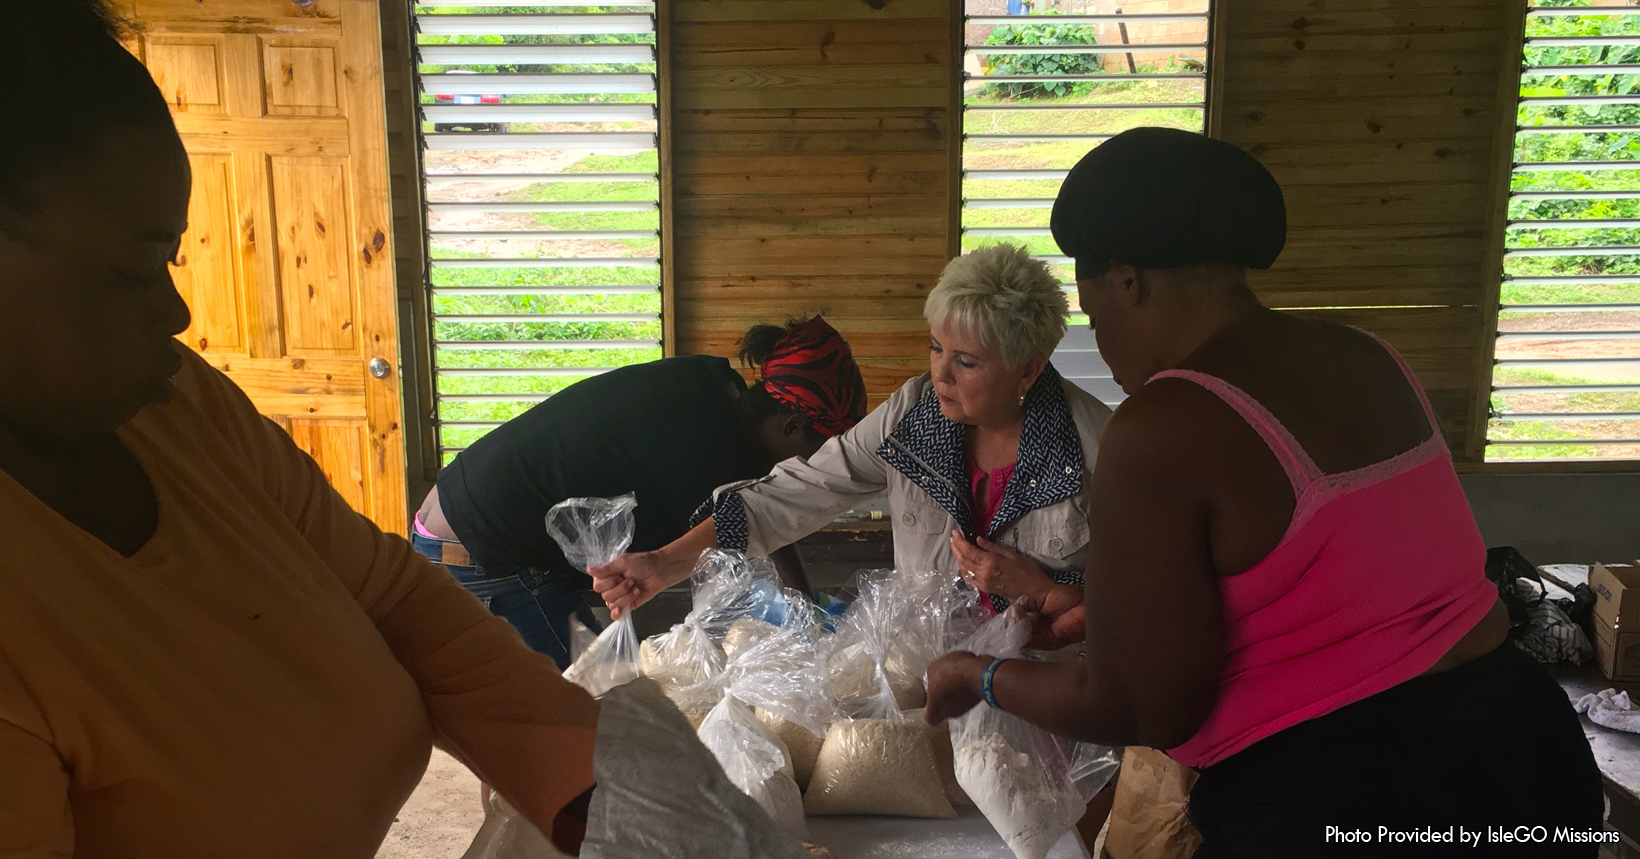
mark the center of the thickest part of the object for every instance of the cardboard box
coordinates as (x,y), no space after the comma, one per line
(1616,596)
(1617,652)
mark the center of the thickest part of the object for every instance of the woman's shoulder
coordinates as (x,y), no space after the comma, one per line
(203,400)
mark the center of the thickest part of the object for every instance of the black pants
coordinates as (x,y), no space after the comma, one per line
(1493,744)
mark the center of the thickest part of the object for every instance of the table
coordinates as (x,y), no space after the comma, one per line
(969,836)
(1617,752)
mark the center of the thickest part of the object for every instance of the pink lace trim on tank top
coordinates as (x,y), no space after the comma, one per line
(1347,604)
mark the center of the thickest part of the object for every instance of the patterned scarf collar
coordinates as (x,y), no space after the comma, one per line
(927,447)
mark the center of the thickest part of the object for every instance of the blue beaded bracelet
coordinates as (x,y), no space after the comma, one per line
(986,693)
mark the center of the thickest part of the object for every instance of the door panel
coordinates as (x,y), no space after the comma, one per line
(310,216)
(301,81)
(205,272)
(285,265)
(338,447)
(189,74)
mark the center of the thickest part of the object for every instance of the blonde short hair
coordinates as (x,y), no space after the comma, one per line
(1007,299)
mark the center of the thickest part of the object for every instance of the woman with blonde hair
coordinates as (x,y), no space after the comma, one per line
(983,456)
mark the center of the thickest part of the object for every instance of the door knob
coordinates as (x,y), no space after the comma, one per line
(379,367)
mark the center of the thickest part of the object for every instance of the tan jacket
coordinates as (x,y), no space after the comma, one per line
(909,448)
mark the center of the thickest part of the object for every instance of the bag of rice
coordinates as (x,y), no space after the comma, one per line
(743,632)
(779,675)
(939,735)
(662,795)
(1031,785)
(756,761)
(801,743)
(877,766)
(878,761)
(592,532)
(687,660)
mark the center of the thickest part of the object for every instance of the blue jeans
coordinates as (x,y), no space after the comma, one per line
(536,602)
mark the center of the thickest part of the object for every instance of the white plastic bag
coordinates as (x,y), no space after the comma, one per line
(610,661)
(592,532)
(756,761)
(1033,786)
(662,795)
(901,621)
(506,834)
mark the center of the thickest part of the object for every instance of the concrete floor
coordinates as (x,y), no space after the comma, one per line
(441,817)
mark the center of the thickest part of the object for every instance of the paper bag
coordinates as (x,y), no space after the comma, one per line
(1147,818)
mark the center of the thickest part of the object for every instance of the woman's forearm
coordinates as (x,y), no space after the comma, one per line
(1066,699)
(678,557)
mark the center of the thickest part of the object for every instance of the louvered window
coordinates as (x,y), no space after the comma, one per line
(539,123)
(1566,382)
(1045,82)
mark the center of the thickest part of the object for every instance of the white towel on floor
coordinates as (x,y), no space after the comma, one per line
(1612,709)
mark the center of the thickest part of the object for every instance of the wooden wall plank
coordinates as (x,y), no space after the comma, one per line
(810,86)
(1378,119)
(812,145)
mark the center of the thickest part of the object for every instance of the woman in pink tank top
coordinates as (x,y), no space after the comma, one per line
(1286,588)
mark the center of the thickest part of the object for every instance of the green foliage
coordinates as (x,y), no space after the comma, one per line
(1033,35)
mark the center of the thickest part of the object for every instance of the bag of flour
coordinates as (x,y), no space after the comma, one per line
(1033,786)
(592,532)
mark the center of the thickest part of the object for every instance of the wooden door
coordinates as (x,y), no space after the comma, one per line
(286,264)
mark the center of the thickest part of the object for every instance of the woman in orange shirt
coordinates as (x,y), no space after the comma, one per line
(203,651)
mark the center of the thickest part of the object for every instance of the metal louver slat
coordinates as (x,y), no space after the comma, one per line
(544,55)
(534,25)
(544,178)
(539,113)
(603,206)
(551,141)
(997,50)
(525,84)
(1062,78)
(533,4)
(543,202)
(1062,20)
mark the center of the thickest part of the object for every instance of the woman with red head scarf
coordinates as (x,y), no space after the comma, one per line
(669,431)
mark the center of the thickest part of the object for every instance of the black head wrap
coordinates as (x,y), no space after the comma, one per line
(1164,198)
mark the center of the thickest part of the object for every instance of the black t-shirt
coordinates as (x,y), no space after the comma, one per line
(669,431)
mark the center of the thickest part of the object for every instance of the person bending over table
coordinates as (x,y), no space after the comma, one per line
(203,651)
(1285,584)
(982,457)
(669,431)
